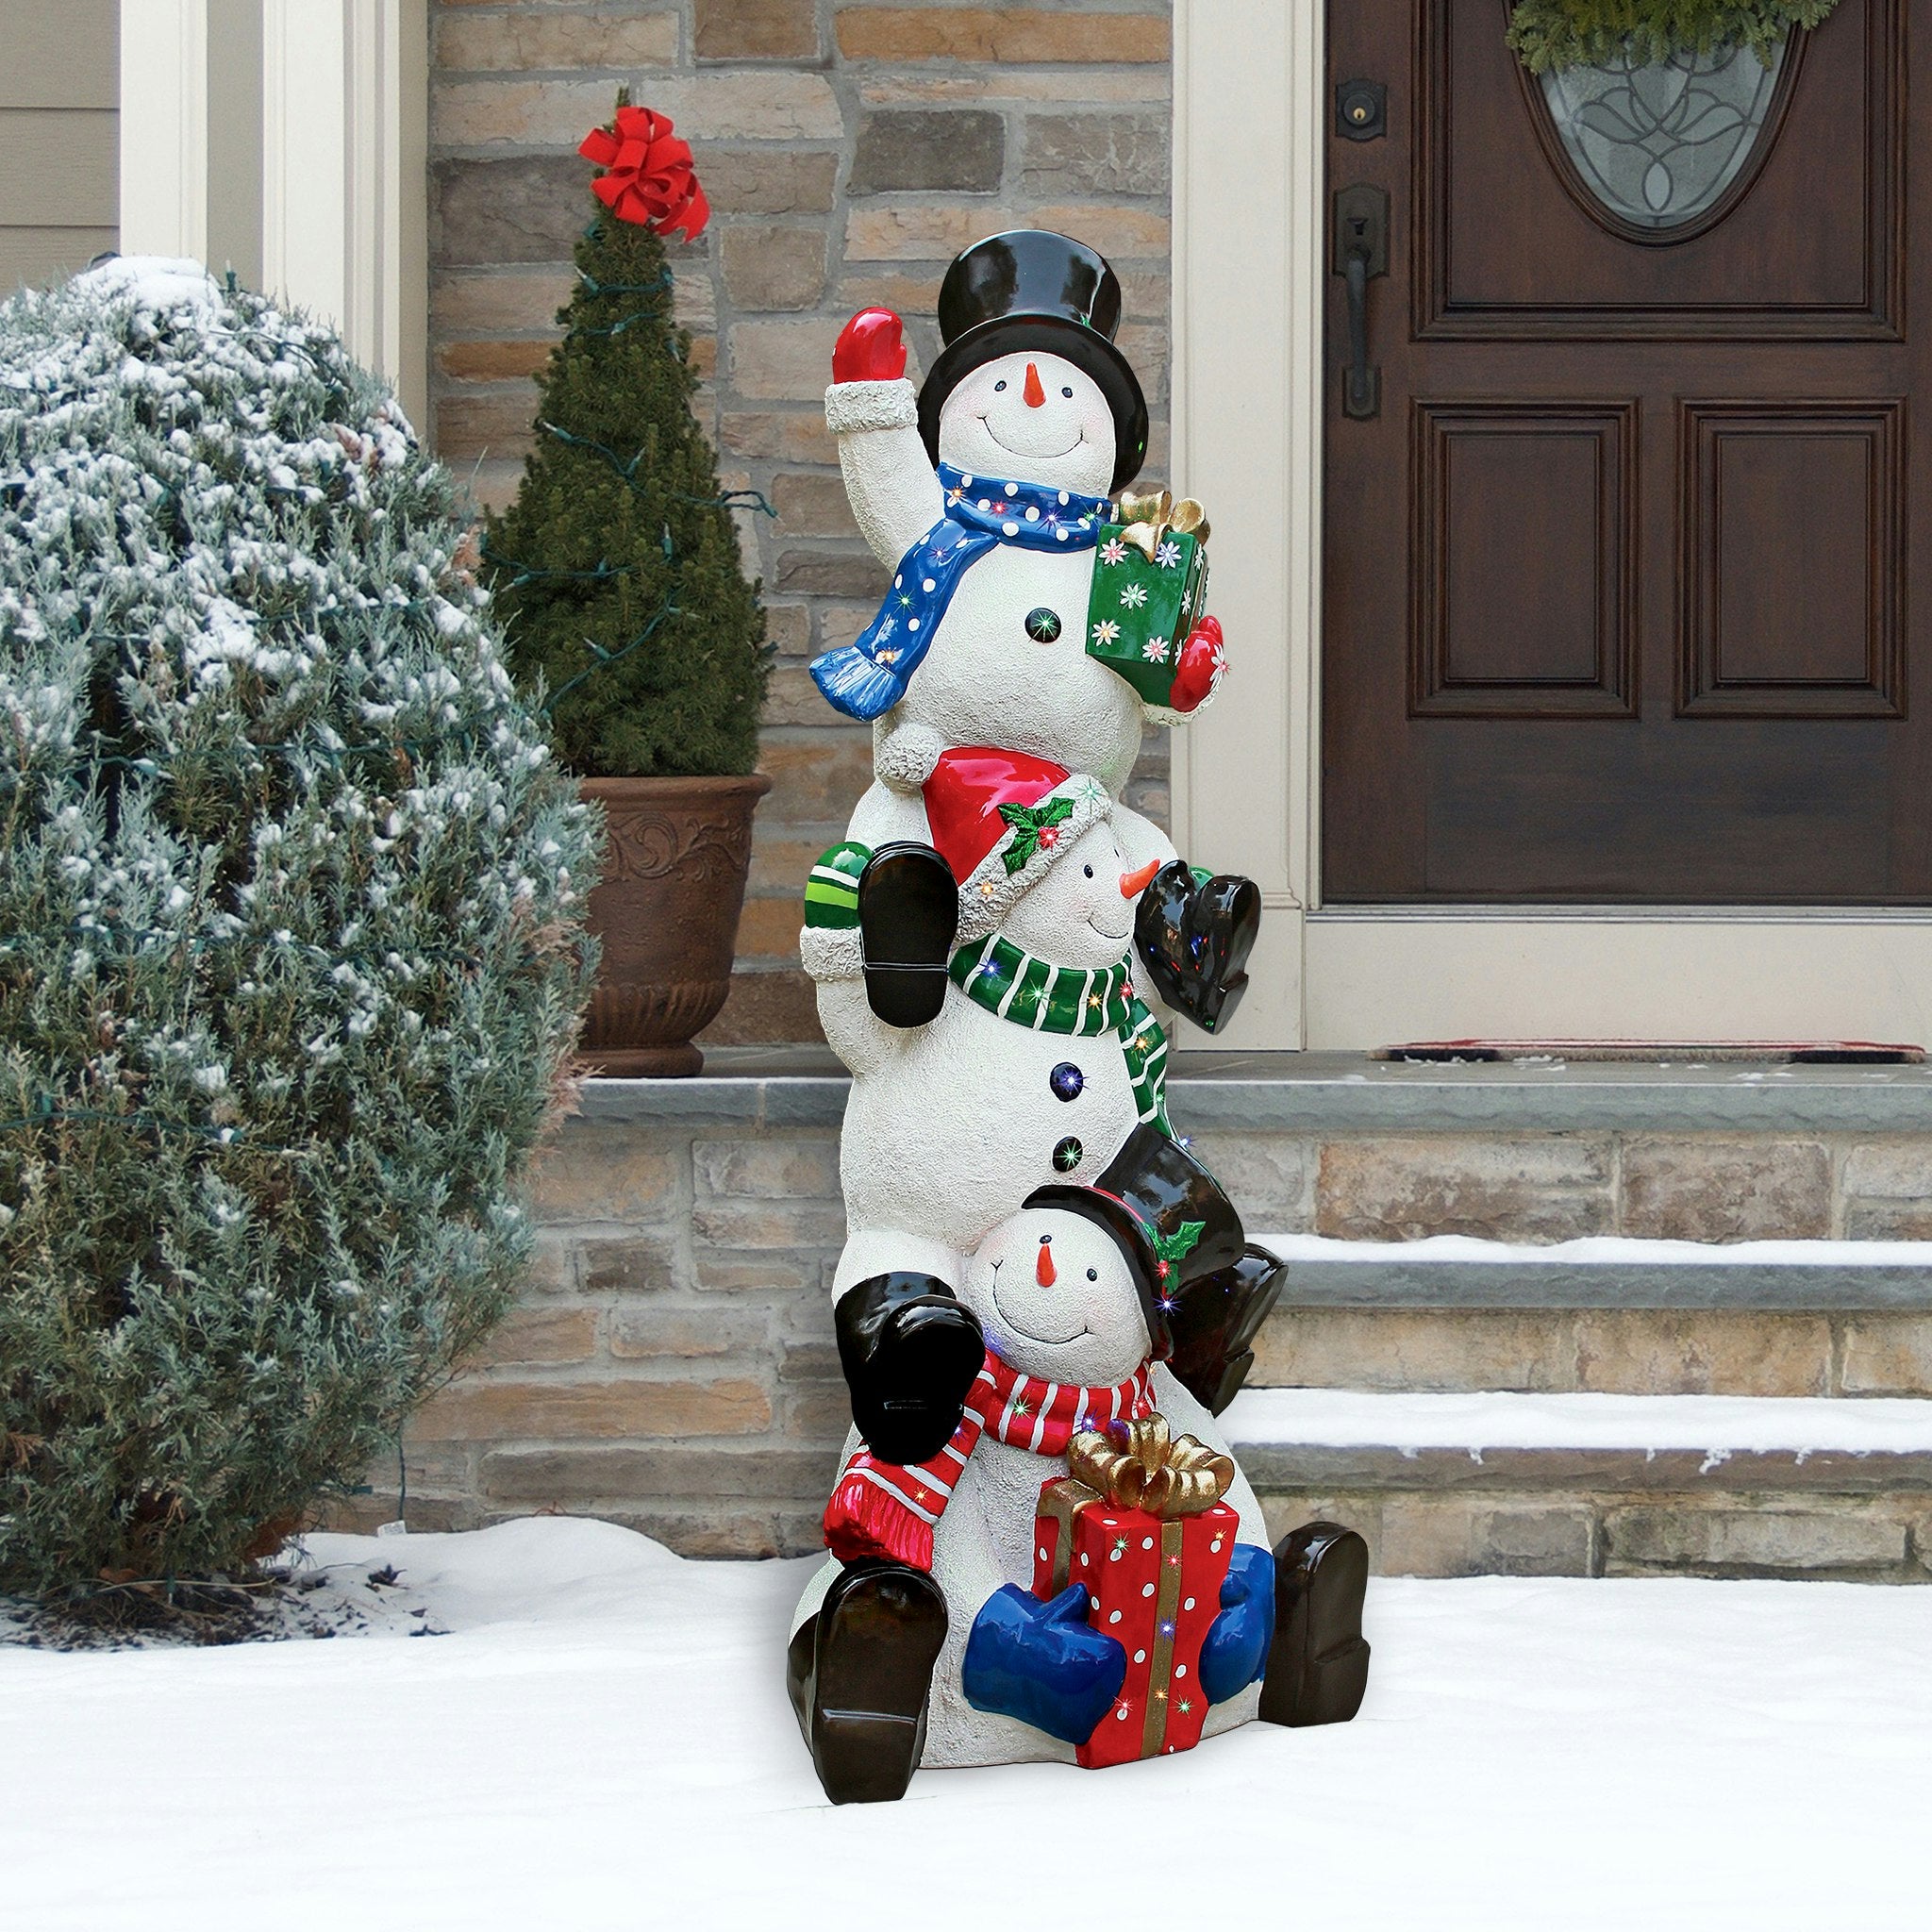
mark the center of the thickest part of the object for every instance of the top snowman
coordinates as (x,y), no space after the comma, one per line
(1033,417)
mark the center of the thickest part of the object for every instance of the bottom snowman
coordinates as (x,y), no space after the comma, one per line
(970,1613)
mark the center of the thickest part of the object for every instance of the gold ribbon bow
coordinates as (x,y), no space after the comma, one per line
(1148,519)
(1143,1467)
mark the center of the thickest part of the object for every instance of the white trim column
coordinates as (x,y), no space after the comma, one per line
(1247,212)
(338,136)
(164,127)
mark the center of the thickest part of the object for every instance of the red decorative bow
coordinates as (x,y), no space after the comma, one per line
(649,179)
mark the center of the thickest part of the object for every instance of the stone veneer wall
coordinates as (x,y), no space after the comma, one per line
(671,1365)
(849,150)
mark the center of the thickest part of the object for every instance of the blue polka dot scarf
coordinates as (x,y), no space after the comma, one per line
(866,678)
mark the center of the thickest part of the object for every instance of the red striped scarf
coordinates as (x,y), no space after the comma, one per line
(886,1509)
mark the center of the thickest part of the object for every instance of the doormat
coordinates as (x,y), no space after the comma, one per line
(1802,1052)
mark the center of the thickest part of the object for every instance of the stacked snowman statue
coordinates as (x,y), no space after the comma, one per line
(1040,1544)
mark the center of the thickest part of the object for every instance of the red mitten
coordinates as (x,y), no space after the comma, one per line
(871,348)
(1199,668)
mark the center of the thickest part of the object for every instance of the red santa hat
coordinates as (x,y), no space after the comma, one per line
(1001,818)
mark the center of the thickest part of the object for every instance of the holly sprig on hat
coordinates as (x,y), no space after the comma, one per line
(1177,1246)
(1032,825)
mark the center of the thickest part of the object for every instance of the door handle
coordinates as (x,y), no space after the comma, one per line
(1361,253)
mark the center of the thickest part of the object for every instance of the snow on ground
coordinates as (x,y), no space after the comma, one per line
(1717,1425)
(603,1741)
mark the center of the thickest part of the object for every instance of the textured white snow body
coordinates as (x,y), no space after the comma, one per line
(985,1538)
(984,681)
(952,1125)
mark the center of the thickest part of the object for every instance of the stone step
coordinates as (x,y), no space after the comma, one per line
(1594,1485)
(1451,1272)
(1608,1315)
(671,1361)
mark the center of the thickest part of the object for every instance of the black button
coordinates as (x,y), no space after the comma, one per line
(1043,625)
(1066,1157)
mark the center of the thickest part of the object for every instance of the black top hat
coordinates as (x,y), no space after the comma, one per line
(1168,1214)
(1031,288)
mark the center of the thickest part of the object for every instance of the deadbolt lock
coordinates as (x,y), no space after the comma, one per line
(1362,110)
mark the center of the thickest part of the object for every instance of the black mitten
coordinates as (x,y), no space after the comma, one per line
(1195,937)
(910,1353)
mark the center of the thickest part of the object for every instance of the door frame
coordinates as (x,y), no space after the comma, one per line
(1250,149)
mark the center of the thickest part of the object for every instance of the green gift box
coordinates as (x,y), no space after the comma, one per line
(1150,588)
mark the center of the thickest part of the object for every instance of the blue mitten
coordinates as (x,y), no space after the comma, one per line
(1041,1663)
(1235,1651)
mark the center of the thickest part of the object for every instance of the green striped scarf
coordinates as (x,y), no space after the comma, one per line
(1000,976)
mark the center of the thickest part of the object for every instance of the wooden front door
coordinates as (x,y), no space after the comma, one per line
(1628,592)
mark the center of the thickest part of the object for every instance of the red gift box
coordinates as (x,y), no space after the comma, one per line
(1140,1522)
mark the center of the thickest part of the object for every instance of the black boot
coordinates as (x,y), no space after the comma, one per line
(908,912)
(859,1672)
(910,1351)
(1214,1321)
(1195,937)
(1318,1665)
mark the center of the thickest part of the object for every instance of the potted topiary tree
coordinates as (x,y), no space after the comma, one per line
(630,618)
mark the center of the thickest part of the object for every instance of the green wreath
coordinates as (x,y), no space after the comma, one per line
(1567,33)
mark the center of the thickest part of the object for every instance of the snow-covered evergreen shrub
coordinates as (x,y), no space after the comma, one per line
(289,956)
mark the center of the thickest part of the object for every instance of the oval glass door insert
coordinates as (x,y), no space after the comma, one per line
(1658,142)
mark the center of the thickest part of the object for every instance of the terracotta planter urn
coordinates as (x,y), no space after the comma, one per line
(666,911)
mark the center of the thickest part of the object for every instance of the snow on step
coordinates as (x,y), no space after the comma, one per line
(1605,1251)
(1716,1427)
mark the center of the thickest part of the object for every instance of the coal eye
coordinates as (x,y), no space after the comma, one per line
(1001,383)
(1088,870)
(1068,392)
(1093,1274)
(1046,1240)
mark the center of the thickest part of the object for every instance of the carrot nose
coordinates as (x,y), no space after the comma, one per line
(1035,395)
(1134,883)
(1043,1268)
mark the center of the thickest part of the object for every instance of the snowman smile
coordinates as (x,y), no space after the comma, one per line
(1039,455)
(1028,1334)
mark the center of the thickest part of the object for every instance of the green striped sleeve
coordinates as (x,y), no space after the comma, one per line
(831,894)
